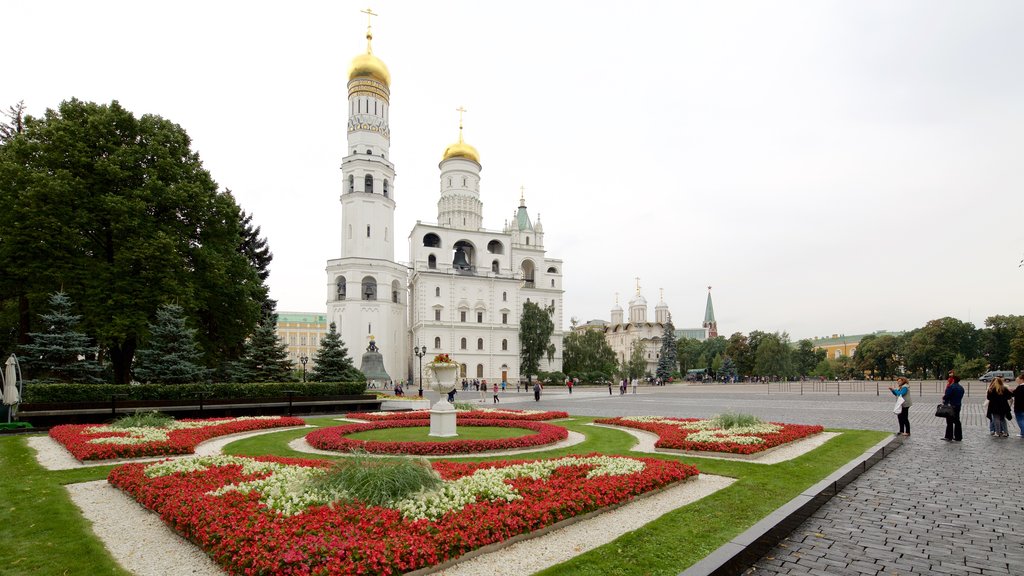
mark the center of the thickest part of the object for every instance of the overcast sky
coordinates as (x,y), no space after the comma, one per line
(828,167)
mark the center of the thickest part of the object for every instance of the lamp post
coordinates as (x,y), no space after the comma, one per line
(303,359)
(420,352)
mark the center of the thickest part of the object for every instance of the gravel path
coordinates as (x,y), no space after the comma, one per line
(137,538)
(52,455)
(646,441)
(300,445)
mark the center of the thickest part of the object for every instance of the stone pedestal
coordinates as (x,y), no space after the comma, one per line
(442,420)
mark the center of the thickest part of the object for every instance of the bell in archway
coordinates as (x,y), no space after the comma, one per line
(460,262)
(372,365)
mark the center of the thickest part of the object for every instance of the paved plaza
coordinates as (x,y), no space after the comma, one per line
(931,507)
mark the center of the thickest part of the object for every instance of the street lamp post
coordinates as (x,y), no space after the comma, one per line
(420,352)
(303,359)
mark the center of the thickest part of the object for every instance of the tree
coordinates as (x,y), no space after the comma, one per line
(667,357)
(878,354)
(773,356)
(256,250)
(637,364)
(265,358)
(933,347)
(728,367)
(170,355)
(586,355)
(739,350)
(997,337)
(15,123)
(805,358)
(61,353)
(332,362)
(535,329)
(120,211)
(688,352)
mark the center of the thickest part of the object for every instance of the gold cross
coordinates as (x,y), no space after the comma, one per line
(369,14)
(369,35)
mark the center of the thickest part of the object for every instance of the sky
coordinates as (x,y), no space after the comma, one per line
(828,167)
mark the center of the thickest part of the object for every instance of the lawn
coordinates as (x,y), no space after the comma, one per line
(41,531)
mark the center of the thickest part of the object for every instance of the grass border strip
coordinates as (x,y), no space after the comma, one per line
(740,553)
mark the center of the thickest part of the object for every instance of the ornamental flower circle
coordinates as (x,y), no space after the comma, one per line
(707,436)
(334,438)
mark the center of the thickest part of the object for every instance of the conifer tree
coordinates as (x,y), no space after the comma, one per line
(171,354)
(667,359)
(266,357)
(61,353)
(332,362)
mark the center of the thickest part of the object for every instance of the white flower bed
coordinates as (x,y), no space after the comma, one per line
(144,434)
(286,488)
(708,431)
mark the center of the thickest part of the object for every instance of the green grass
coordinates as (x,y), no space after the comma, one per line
(729,420)
(421,434)
(152,419)
(41,532)
(378,481)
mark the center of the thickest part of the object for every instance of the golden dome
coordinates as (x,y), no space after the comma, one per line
(461,150)
(369,66)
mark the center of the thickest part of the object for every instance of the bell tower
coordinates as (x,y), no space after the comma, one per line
(366,288)
(459,205)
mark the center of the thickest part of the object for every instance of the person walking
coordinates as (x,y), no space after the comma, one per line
(536,391)
(1018,403)
(609,387)
(902,392)
(635,382)
(568,384)
(496,393)
(998,407)
(954,396)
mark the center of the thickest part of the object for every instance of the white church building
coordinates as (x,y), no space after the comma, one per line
(464,287)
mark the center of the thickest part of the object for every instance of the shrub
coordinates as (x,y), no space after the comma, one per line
(729,420)
(38,393)
(151,419)
(377,481)
(467,406)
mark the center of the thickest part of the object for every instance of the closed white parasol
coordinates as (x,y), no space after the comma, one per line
(11,395)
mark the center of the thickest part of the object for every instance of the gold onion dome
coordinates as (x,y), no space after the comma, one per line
(461,150)
(369,66)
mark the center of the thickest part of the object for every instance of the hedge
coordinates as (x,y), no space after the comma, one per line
(40,393)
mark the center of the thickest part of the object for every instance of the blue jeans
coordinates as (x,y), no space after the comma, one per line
(1000,423)
(1020,422)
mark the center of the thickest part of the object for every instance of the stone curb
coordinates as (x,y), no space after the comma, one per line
(736,556)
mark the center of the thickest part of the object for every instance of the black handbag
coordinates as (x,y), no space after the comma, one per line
(944,411)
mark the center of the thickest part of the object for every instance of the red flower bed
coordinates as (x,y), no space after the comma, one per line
(245,537)
(676,437)
(461,416)
(333,438)
(75,438)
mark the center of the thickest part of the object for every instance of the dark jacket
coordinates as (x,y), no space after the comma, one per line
(954,395)
(998,404)
(1018,399)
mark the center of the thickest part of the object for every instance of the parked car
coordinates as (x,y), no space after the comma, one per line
(991,375)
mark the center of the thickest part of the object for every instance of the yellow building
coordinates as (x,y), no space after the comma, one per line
(844,344)
(301,333)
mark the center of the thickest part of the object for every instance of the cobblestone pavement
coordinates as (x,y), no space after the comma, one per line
(931,507)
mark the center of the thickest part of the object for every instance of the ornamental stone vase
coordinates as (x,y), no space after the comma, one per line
(442,415)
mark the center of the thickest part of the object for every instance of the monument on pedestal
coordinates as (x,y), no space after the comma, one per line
(442,415)
(372,365)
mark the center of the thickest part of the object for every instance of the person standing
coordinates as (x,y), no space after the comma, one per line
(536,391)
(635,382)
(1018,403)
(999,407)
(609,387)
(954,396)
(496,393)
(903,416)
(568,384)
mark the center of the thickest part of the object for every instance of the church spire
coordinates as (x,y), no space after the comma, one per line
(709,317)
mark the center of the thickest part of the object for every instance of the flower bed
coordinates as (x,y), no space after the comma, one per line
(704,435)
(463,415)
(92,442)
(333,438)
(249,516)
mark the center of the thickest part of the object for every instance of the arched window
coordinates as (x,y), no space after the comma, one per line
(462,259)
(462,370)
(479,370)
(437,343)
(504,344)
(367,230)
(463,180)
(552,282)
(495,247)
(552,270)
(368,182)
(351,181)
(432,262)
(437,291)
(340,294)
(527,269)
(504,296)
(369,291)
(527,240)
(462,344)
(386,190)
(431,240)
(394,291)
(495,267)
(479,343)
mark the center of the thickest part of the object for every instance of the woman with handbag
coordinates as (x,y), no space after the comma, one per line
(954,397)
(902,392)
(999,407)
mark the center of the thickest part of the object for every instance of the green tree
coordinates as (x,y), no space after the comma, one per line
(637,364)
(969,368)
(824,368)
(667,356)
(265,358)
(332,362)
(170,354)
(996,340)
(713,348)
(739,350)
(728,367)
(933,347)
(535,329)
(61,353)
(805,358)
(773,356)
(586,355)
(688,351)
(878,354)
(120,211)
